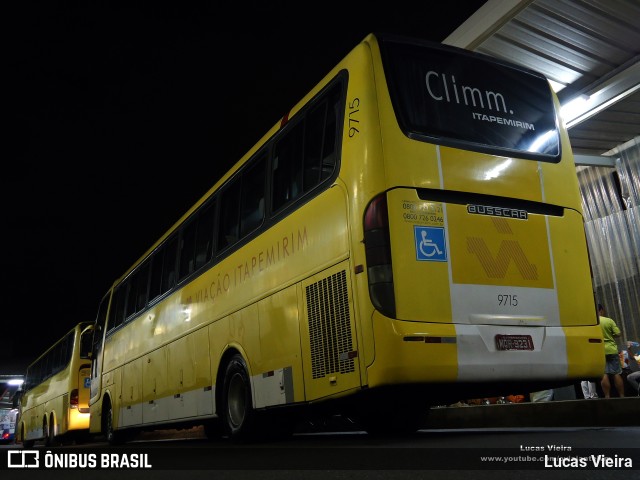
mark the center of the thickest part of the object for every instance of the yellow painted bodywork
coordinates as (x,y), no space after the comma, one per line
(537,253)
(50,400)
(254,301)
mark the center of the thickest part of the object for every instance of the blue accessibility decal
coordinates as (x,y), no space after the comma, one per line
(430,244)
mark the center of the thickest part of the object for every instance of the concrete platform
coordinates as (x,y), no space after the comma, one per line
(613,412)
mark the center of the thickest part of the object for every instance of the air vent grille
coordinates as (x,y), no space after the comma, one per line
(329,326)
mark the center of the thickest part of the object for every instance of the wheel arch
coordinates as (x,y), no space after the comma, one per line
(227,355)
(106,400)
(22,428)
(53,422)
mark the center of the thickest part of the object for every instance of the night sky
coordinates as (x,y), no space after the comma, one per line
(121,117)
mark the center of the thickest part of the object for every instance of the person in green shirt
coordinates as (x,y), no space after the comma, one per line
(610,333)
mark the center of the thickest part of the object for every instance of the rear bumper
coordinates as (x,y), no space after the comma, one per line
(417,353)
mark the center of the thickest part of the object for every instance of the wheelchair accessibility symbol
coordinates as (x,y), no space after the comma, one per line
(430,244)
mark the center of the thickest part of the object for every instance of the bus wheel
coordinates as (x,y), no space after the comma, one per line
(45,430)
(50,432)
(26,443)
(113,437)
(237,410)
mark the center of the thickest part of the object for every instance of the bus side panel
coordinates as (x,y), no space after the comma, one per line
(189,376)
(575,294)
(131,405)
(279,350)
(559,180)
(54,407)
(155,392)
(302,243)
(32,413)
(328,334)
(573,277)
(43,400)
(362,152)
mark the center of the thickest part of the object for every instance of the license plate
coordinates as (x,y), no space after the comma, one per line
(514,342)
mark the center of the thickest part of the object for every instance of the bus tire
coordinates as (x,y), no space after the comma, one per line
(26,443)
(50,432)
(45,430)
(237,415)
(113,437)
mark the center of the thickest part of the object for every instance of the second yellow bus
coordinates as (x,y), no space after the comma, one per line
(55,402)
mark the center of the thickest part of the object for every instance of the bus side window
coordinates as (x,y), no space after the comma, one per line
(204,235)
(320,141)
(98,338)
(252,204)
(169,265)
(47,367)
(229,213)
(330,130)
(86,338)
(117,311)
(142,287)
(313,146)
(54,358)
(68,351)
(155,284)
(132,285)
(187,249)
(287,168)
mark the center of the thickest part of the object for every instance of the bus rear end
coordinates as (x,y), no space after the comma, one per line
(79,400)
(476,255)
(80,380)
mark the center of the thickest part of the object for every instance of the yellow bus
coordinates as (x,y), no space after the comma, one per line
(55,402)
(409,233)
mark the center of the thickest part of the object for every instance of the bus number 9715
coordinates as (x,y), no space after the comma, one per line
(507,300)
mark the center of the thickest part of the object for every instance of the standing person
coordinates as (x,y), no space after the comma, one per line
(610,333)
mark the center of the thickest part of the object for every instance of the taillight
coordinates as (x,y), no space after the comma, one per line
(74,398)
(378,253)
